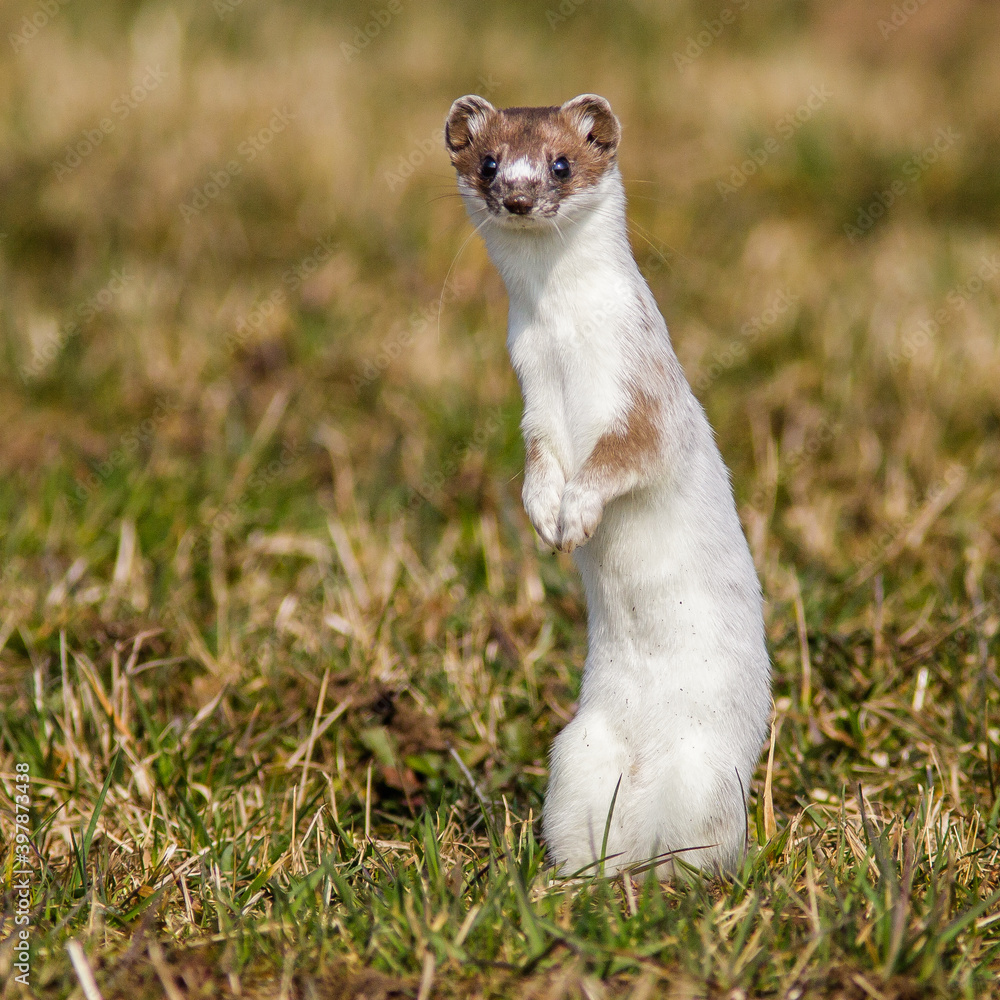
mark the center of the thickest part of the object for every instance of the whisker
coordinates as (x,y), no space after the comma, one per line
(652,245)
(648,197)
(559,232)
(638,231)
(642,232)
(451,267)
(440,197)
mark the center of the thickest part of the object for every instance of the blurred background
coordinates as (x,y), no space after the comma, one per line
(256,401)
(205,204)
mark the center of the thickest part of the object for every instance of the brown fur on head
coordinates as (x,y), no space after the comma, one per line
(524,162)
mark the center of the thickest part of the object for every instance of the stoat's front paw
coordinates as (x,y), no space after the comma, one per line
(541,503)
(579,516)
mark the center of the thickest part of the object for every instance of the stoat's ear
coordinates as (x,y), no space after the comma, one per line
(593,116)
(467,115)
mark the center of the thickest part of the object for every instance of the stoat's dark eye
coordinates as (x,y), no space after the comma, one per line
(561,169)
(488,168)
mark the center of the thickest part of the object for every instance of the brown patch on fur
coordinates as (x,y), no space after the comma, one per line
(532,456)
(619,454)
(583,130)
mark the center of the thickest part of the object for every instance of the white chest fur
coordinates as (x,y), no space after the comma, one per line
(569,289)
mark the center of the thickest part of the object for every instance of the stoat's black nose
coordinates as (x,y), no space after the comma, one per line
(519,204)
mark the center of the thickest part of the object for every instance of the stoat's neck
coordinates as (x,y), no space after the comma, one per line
(589,245)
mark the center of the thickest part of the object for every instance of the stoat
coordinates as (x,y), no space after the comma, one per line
(623,471)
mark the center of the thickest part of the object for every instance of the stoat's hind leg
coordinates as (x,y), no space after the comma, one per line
(700,809)
(588,761)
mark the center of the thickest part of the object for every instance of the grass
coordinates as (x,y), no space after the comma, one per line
(278,646)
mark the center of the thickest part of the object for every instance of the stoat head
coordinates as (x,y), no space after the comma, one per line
(529,167)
